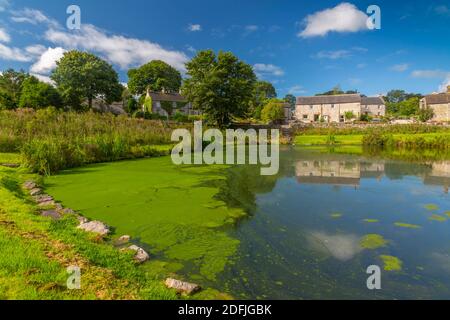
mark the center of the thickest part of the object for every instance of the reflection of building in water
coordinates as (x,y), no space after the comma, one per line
(439,175)
(339,173)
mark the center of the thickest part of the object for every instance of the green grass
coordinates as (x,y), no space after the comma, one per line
(427,140)
(320,140)
(35,252)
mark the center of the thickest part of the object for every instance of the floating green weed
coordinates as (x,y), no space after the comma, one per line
(391,263)
(436,217)
(407,225)
(373,241)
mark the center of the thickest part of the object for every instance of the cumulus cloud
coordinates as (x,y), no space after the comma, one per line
(36,49)
(13,54)
(434,74)
(345,17)
(296,90)
(47,61)
(3,5)
(33,16)
(429,74)
(250,29)
(4,36)
(120,50)
(445,84)
(43,78)
(194,27)
(400,67)
(333,55)
(264,70)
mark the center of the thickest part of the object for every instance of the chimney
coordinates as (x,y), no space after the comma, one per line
(448,89)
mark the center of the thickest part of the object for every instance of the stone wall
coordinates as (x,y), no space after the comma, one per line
(329,112)
(441,112)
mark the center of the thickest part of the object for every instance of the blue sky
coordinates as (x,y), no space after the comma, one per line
(303,47)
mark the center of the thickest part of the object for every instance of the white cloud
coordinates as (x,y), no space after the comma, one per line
(445,84)
(120,50)
(296,90)
(43,78)
(434,74)
(194,27)
(250,29)
(13,54)
(442,10)
(33,16)
(36,49)
(361,65)
(400,67)
(345,17)
(263,70)
(429,74)
(4,36)
(47,61)
(333,55)
(3,5)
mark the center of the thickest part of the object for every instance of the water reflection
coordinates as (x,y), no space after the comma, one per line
(350,173)
(303,239)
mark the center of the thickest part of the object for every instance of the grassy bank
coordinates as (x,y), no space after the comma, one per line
(404,137)
(49,140)
(35,252)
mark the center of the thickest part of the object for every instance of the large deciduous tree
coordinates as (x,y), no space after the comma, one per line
(37,94)
(81,76)
(221,86)
(155,76)
(11,88)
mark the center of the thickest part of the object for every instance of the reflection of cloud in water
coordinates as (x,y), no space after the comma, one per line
(341,246)
(441,261)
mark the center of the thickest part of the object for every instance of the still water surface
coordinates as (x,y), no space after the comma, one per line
(310,232)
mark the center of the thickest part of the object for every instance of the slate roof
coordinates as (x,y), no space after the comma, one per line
(159,96)
(336,99)
(440,98)
(372,101)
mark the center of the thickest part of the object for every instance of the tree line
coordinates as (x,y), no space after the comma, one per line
(220,85)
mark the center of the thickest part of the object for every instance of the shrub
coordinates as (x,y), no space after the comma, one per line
(272,112)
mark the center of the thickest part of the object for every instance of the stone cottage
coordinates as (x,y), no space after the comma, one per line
(178,102)
(334,107)
(439,103)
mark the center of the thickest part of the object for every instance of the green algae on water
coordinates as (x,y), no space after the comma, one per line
(373,241)
(336,215)
(371,220)
(407,225)
(391,263)
(173,210)
(436,217)
(431,207)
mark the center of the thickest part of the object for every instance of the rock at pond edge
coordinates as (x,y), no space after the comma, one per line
(182,286)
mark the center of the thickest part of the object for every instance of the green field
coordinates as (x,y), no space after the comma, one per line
(357,139)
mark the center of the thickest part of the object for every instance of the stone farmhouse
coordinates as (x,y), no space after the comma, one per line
(333,108)
(440,104)
(179,103)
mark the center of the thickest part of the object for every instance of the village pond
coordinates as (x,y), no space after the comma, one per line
(309,232)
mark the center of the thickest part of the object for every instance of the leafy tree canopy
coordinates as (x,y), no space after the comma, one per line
(291,99)
(10,88)
(221,86)
(37,94)
(81,76)
(155,76)
(337,90)
(273,111)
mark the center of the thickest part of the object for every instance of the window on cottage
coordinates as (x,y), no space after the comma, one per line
(305,116)
(311,106)
(332,106)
